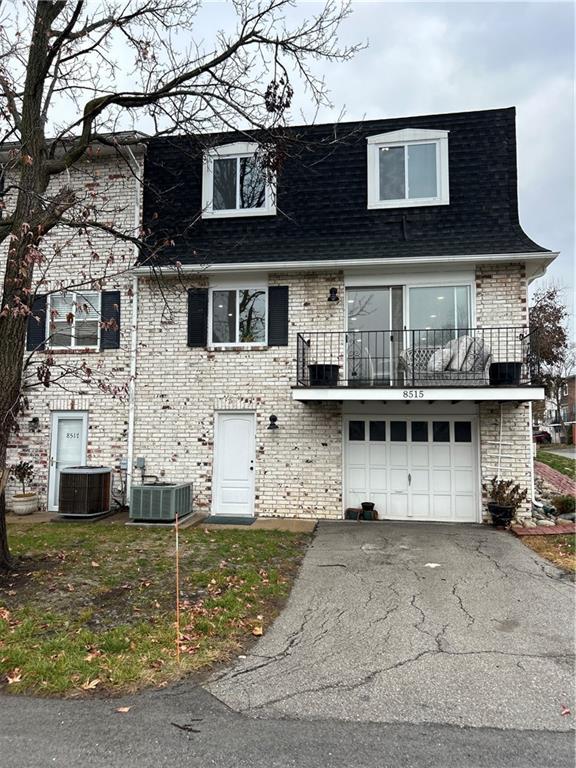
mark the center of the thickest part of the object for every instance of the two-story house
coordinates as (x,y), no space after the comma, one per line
(352,328)
(80,330)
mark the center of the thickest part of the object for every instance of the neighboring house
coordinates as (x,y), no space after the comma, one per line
(352,329)
(562,425)
(83,418)
(356,304)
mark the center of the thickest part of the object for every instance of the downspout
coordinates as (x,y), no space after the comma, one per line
(134,334)
(132,388)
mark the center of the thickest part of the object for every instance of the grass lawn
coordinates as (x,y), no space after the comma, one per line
(561,463)
(92,607)
(560,550)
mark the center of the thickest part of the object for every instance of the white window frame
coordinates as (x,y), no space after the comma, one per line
(230,151)
(406,138)
(246,285)
(49,320)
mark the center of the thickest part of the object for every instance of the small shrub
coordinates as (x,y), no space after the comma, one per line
(505,493)
(564,504)
(23,472)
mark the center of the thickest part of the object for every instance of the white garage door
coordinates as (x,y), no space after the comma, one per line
(417,468)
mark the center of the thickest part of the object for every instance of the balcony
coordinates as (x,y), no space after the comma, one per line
(443,364)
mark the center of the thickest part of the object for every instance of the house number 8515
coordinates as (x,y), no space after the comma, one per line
(413,394)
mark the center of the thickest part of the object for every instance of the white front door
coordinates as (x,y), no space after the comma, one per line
(69,435)
(417,468)
(234,454)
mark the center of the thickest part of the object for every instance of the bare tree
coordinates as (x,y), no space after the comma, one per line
(552,355)
(62,58)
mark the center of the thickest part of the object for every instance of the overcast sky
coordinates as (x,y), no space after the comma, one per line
(429,57)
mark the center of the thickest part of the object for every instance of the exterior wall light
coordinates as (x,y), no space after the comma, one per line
(34,424)
(273,424)
(333,294)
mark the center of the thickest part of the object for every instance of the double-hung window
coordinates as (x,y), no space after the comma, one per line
(235,183)
(73,320)
(408,168)
(239,316)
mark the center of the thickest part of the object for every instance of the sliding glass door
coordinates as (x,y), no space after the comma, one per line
(374,339)
(439,314)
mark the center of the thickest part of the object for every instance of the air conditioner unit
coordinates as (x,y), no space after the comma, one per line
(160,502)
(84,491)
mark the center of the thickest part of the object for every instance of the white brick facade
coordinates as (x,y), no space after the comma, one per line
(73,258)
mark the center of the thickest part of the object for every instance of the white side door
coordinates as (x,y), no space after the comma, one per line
(68,443)
(234,455)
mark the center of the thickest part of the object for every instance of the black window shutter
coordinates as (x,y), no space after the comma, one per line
(278,316)
(36,335)
(110,310)
(197,317)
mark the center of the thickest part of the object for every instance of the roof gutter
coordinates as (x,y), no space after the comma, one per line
(545,257)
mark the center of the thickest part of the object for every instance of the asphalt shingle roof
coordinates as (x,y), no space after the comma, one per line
(322,198)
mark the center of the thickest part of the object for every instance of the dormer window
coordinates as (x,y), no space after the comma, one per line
(408,168)
(235,184)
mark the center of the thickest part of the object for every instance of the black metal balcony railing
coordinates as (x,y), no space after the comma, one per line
(473,357)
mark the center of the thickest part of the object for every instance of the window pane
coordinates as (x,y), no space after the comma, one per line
(252,183)
(224,184)
(252,315)
(422,170)
(356,430)
(462,431)
(87,306)
(398,431)
(61,304)
(436,309)
(86,333)
(378,430)
(61,334)
(419,431)
(392,185)
(441,431)
(223,317)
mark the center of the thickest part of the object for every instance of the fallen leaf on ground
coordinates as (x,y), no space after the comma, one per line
(89,685)
(258,631)
(94,564)
(14,676)
(565,710)
(123,709)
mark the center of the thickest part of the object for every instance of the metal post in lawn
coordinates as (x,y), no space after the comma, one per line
(176,532)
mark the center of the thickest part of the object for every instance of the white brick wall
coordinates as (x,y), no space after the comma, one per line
(73,257)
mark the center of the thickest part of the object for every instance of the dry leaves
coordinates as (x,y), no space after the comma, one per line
(94,564)
(14,676)
(90,685)
(123,710)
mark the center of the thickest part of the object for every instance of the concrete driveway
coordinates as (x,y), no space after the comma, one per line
(416,623)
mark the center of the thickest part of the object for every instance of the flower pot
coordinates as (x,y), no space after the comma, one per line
(501,516)
(322,375)
(505,374)
(25,503)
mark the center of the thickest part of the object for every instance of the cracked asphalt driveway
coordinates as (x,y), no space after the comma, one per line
(416,623)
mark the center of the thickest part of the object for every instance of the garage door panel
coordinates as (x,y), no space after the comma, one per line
(441,480)
(377,454)
(420,506)
(357,477)
(463,481)
(441,506)
(399,456)
(464,508)
(398,505)
(357,453)
(380,503)
(441,455)
(420,481)
(378,479)
(399,479)
(420,455)
(463,455)
(355,498)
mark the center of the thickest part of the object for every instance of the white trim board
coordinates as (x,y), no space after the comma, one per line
(382,264)
(422,394)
